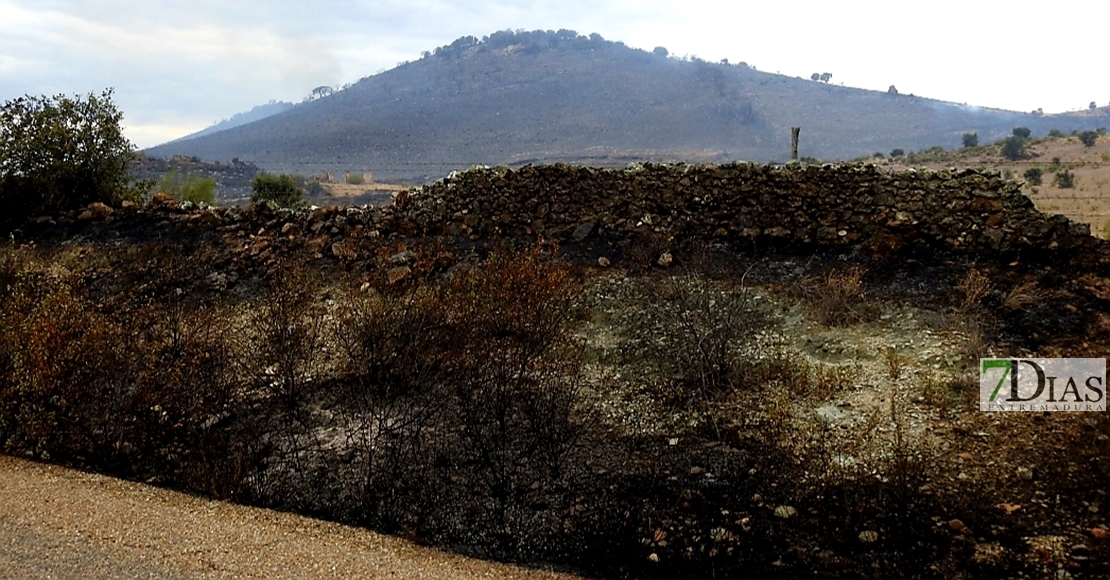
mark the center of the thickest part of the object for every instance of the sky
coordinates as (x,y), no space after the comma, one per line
(177,67)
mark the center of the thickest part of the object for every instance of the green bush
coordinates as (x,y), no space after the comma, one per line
(1033,175)
(355,179)
(971,139)
(1013,148)
(61,153)
(1022,132)
(897,153)
(1064,179)
(280,189)
(194,189)
(1055,133)
(1088,138)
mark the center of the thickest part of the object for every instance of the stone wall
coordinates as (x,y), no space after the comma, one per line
(794,204)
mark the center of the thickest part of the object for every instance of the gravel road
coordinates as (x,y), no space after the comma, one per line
(61,523)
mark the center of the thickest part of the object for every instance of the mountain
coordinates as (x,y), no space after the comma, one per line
(256,113)
(519,97)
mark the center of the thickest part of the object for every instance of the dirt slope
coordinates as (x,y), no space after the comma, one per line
(61,523)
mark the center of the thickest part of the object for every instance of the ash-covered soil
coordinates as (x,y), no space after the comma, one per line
(737,411)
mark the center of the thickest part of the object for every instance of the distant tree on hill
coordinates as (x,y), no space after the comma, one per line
(897,153)
(1033,175)
(1093,105)
(1088,138)
(661,51)
(825,77)
(971,139)
(815,76)
(1022,132)
(1013,148)
(1064,179)
(1055,133)
(892,90)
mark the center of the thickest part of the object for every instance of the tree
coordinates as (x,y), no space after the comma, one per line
(1064,179)
(1022,132)
(971,139)
(897,153)
(280,189)
(660,51)
(60,153)
(1013,148)
(1088,138)
(825,77)
(1093,105)
(1033,175)
(815,76)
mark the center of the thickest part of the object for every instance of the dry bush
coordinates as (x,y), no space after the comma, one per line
(839,297)
(515,382)
(974,287)
(392,363)
(282,355)
(1022,296)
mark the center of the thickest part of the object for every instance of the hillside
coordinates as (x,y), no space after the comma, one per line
(1086,198)
(514,98)
(256,113)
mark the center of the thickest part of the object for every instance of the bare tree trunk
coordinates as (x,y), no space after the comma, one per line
(794,131)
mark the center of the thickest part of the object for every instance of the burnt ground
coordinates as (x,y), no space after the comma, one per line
(848,443)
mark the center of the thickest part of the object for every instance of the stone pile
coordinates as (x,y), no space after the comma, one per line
(793,204)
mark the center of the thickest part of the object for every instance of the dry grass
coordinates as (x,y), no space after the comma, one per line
(1088,202)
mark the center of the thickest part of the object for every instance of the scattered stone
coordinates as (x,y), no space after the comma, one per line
(958,526)
(1024,473)
(162,200)
(665,259)
(868,536)
(1100,533)
(697,470)
(653,558)
(785,512)
(582,231)
(603,262)
(397,274)
(404,257)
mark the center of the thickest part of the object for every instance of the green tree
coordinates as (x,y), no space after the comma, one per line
(1022,132)
(280,189)
(1088,138)
(1033,175)
(815,76)
(897,153)
(1013,148)
(1064,179)
(971,139)
(61,153)
(825,77)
